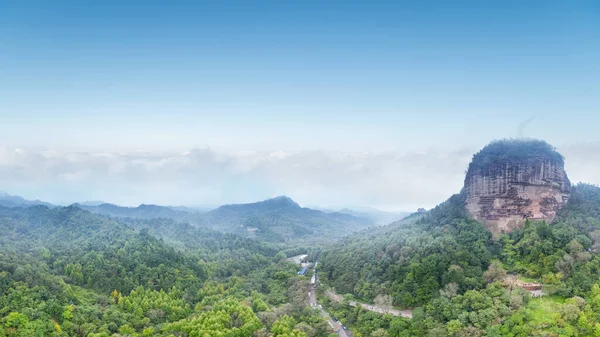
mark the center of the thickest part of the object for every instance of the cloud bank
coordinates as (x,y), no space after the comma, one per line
(400,181)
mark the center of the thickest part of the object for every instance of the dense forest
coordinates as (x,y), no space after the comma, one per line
(514,150)
(65,271)
(68,272)
(450,270)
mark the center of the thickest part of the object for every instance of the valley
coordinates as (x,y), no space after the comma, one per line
(299,168)
(276,269)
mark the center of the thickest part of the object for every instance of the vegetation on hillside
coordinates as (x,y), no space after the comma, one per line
(67,272)
(412,262)
(450,270)
(277,220)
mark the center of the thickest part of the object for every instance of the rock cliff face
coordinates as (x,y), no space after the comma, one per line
(512,180)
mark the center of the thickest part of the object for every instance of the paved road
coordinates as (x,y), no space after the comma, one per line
(395,312)
(312,300)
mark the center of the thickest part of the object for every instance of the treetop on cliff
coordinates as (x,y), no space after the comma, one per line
(514,151)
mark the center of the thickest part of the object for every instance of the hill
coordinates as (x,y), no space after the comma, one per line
(278,220)
(142,211)
(452,269)
(7,200)
(281,220)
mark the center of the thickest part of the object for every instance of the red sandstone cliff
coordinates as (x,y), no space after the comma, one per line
(510,181)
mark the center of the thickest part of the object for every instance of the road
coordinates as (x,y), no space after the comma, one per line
(312,300)
(394,312)
(337,326)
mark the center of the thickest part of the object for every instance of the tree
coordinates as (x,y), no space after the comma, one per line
(283,326)
(379,333)
(511,281)
(15,320)
(449,291)
(453,326)
(306,329)
(384,302)
(495,272)
(470,331)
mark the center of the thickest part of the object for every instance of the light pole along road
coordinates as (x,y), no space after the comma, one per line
(312,300)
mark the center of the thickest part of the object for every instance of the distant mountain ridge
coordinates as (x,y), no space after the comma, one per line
(8,200)
(92,203)
(278,219)
(142,211)
(281,219)
(378,216)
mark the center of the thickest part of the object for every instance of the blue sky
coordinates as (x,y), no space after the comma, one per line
(338,77)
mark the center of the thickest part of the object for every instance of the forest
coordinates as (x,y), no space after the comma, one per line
(68,272)
(65,271)
(276,220)
(514,151)
(450,271)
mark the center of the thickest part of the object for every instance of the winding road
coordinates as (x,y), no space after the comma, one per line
(312,300)
(335,325)
(394,312)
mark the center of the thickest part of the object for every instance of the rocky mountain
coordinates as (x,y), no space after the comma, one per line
(510,181)
(454,266)
(507,183)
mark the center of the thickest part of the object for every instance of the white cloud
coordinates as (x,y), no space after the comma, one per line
(202,176)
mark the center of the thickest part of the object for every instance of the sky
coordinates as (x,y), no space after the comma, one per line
(330,102)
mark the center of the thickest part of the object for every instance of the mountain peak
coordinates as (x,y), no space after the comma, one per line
(277,203)
(281,201)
